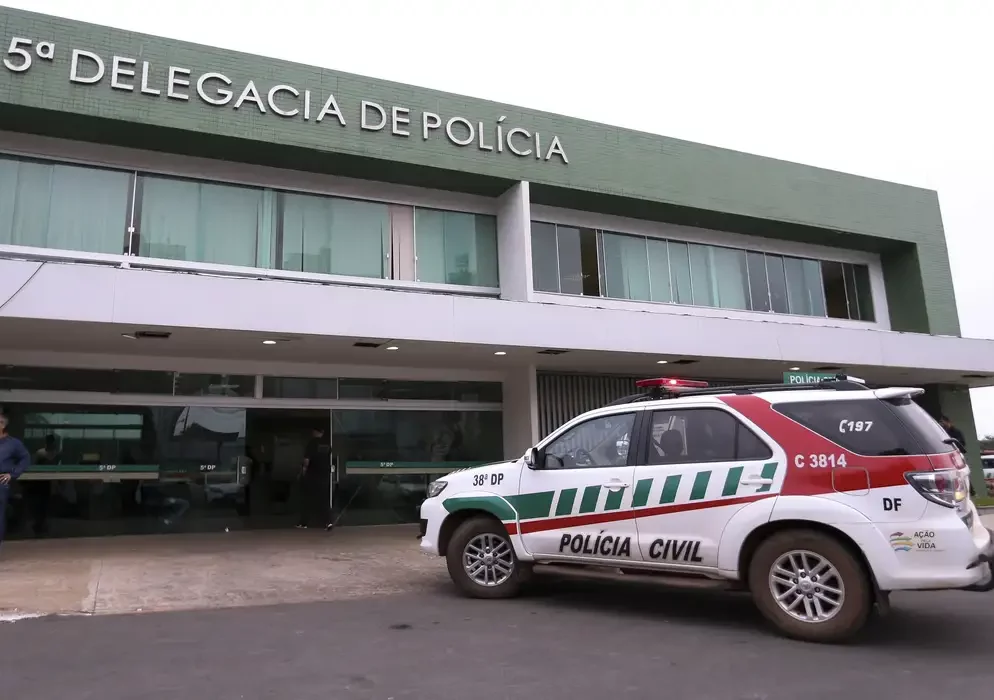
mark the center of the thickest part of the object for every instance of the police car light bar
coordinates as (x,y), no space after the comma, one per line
(670,383)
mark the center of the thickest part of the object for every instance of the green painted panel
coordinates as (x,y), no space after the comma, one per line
(490,504)
(609,169)
(589,501)
(641,495)
(566,500)
(533,505)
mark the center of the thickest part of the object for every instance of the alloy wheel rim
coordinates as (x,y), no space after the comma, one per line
(488,559)
(807,586)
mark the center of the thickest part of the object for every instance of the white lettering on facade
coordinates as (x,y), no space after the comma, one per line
(271,100)
(365,124)
(286,101)
(177,80)
(121,68)
(450,132)
(221,96)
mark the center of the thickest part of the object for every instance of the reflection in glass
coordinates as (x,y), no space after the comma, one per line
(203,222)
(42,205)
(336,236)
(680,279)
(759,288)
(395,389)
(626,267)
(732,278)
(300,387)
(456,247)
(389,457)
(659,270)
(778,283)
(836,301)
(702,275)
(545,257)
(864,293)
(578,272)
(804,287)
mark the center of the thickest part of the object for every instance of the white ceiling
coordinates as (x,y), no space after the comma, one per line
(23,339)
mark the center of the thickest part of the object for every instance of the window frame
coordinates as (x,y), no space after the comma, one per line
(634,440)
(649,422)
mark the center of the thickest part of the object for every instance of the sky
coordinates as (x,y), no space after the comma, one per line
(892,89)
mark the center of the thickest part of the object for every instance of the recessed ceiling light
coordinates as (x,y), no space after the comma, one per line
(795,369)
(269,342)
(500,352)
(393,347)
(128,336)
(661,362)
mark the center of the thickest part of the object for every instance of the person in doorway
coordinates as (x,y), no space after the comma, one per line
(14,459)
(315,483)
(39,493)
(957,435)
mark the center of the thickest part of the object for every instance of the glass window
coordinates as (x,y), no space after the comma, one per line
(300,387)
(64,207)
(702,435)
(778,284)
(383,389)
(598,442)
(850,278)
(659,270)
(456,248)
(680,273)
(702,275)
(578,271)
(335,236)
(867,426)
(545,258)
(805,294)
(213,385)
(204,222)
(731,277)
(864,292)
(833,278)
(759,288)
(626,267)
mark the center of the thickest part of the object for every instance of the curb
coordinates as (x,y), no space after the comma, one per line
(985,510)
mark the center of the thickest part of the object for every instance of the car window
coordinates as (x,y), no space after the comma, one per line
(598,442)
(702,435)
(871,427)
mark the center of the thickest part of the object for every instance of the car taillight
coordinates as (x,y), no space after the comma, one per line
(948,487)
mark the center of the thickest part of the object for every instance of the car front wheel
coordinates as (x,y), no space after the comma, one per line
(481,560)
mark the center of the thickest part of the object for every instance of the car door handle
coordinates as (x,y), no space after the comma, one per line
(756,481)
(615,485)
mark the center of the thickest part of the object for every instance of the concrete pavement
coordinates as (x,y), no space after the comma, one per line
(185,572)
(567,640)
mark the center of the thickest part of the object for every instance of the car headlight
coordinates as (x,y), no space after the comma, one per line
(436,487)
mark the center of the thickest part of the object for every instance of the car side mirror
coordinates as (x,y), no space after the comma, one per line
(532,458)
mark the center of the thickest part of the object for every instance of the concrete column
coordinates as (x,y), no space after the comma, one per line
(520,411)
(514,243)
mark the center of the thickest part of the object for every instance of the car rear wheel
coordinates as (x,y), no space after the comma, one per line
(481,560)
(810,586)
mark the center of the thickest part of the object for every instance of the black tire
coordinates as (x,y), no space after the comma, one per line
(857,603)
(468,531)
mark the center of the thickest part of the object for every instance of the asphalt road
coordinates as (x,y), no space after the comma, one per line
(568,640)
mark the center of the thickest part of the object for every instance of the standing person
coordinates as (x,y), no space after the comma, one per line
(39,493)
(957,435)
(14,459)
(315,482)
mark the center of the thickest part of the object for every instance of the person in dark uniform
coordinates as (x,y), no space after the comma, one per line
(957,435)
(39,493)
(14,459)
(315,483)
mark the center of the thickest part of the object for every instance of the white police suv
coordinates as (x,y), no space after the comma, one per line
(819,499)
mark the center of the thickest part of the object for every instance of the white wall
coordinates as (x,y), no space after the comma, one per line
(136,297)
